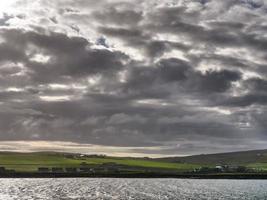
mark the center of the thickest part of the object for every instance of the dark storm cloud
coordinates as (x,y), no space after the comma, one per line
(257,84)
(216,81)
(9,53)
(247,100)
(157,77)
(145,80)
(256,94)
(67,56)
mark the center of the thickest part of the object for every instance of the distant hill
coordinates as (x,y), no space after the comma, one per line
(30,162)
(234,158)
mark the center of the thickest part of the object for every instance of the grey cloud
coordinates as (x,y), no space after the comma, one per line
(4,19)
(181,73)
(215,81)
(257,84)
(246,100)
(256,94)
(176,76)
(138,39)
(122,118)
(9,53)
(131,35)
(113,15)
(68,56)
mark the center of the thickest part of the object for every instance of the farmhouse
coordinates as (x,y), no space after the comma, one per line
(71,169)
(43,169)
(57,170)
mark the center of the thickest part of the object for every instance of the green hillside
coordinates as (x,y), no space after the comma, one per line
(32,161)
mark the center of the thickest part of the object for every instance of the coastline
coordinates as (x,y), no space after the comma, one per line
(240,176)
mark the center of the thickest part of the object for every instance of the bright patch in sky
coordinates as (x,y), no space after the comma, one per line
(5,5)
(55,98)
(40,58)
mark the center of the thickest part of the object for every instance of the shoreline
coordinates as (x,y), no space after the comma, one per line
(136,175)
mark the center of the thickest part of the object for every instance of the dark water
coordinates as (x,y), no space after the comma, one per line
(146,189)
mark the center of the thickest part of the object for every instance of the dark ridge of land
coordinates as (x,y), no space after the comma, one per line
(234,158)
(252,176)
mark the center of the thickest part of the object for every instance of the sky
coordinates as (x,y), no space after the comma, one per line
(133,78)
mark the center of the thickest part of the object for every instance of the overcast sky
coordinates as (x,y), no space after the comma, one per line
(133,77)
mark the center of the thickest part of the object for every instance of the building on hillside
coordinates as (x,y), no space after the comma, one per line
(43,169)
(57,170)
(84,169)
(71,169)
(219,168)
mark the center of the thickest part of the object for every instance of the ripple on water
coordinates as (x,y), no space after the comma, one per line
(133,189)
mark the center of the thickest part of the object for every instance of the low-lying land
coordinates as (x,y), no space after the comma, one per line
(250,164)
(31,162)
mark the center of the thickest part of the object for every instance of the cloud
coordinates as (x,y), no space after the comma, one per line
(158,77)
(119,15)
(67,56)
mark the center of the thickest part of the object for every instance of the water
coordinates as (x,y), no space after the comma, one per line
(27,189)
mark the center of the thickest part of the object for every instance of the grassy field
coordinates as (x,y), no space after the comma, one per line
(258,166)
(31,161)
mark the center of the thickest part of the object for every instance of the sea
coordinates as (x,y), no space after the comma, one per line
(139,189)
